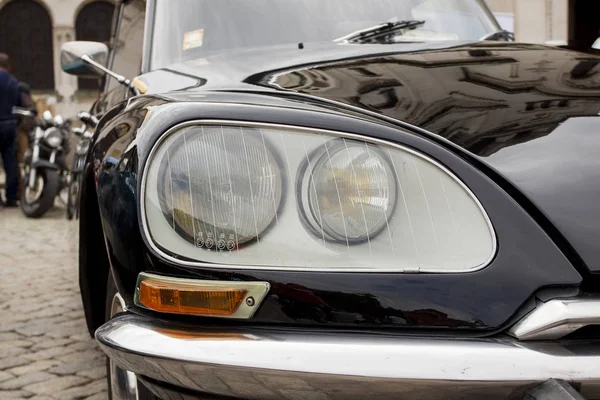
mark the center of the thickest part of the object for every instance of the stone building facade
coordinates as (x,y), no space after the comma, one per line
(32,33)
(573,23)
(535,21)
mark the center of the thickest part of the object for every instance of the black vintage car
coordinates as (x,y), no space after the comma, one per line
(340,199)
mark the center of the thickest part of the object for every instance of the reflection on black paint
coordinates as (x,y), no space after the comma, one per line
(301,303)
(484,97)
(117,192)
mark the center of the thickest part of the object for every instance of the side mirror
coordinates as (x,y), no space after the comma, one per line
(73,55)
(88,59)
(79,131)
(59,121)
(47,116)
(87,119)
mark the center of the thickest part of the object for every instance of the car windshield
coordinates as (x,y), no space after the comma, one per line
(190,29)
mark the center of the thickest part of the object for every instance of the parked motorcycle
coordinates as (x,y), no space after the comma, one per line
(85,133)
(45,172)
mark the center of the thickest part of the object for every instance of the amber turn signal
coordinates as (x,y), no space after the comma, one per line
(187,299)
(197,297)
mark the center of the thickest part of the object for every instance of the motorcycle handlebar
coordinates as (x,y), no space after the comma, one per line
(26,112)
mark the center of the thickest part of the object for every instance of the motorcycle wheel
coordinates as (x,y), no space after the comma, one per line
(72,197)
(35,202)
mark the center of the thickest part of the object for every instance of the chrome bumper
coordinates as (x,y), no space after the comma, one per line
(268,364)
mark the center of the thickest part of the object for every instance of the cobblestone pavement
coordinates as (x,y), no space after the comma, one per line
(45,349)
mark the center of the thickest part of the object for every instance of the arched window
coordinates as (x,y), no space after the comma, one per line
(93,24)
(26,36)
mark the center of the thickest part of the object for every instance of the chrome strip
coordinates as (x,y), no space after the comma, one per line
(353,136)
(118,304)
(557,318)
(342,365)
(123,384)
(256,292)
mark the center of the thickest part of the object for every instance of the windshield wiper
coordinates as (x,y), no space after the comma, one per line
(503,35)
(380,32)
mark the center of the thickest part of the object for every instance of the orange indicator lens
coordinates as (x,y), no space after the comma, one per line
(177,298)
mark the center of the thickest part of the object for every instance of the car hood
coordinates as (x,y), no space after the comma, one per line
(530,112)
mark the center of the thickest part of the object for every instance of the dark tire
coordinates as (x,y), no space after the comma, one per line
(143,392)
(40,206)
(73,197)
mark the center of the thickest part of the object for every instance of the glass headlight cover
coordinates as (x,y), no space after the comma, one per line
(222,189)
(272,197)
(354,191)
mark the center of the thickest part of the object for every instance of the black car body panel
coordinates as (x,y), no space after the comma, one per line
(527,259)
(441,102)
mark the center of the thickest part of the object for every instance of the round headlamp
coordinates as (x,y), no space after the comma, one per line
(53,137)
(354,191)
(82,147)
(219,188)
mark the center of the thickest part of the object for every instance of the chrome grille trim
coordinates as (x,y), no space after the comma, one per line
(558,318)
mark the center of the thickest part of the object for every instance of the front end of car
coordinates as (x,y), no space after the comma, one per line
(292,249)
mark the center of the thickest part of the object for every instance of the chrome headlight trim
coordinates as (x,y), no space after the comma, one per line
(352,136)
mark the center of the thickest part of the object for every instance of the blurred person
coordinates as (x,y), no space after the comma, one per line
(24,127)
(9,97)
